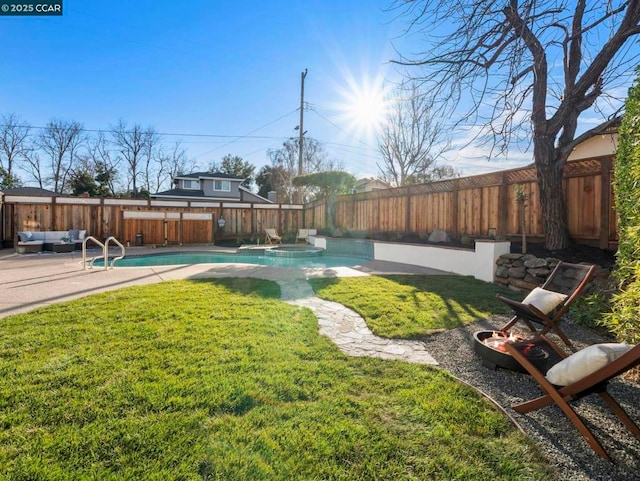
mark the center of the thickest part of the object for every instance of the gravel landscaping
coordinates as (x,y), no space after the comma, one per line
(553,432)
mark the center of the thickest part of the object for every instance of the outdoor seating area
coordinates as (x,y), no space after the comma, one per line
(563,376)
(30,242)
(547,304)
(271,237)
(577,375)
(303,236)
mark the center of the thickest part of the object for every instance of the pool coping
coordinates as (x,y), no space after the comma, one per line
(36,280)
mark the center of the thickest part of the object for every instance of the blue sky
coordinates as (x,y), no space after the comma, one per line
(217,68)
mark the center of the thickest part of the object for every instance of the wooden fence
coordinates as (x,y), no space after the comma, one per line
(477,206)
(159,222)
(482,205)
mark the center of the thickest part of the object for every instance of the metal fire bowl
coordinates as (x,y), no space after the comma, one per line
(493,359)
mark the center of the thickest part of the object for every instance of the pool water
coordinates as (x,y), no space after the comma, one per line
(322,261)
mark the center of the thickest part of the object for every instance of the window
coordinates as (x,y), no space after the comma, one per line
(223,185)
(191,184)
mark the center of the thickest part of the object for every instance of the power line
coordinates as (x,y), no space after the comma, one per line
(312,109)
(165,134)
(172,134)
(248,134)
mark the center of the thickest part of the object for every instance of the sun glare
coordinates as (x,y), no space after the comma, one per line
(367,109)
(363,106)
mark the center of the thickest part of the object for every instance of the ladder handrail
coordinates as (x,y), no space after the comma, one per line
(106,247)
(84,252)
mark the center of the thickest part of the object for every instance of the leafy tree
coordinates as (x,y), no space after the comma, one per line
(548,59)
(81,180)
(91,177)
(234,165)
(623,319)
(7,180)
(267,181)
(330,183)
(105,166)
(411,140)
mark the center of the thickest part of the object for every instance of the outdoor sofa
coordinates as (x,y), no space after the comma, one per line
(37,241)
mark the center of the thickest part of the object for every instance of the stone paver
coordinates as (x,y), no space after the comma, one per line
(348,330)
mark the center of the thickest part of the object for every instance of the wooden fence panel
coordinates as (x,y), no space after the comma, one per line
(584,197)
(470,206)
(197,231)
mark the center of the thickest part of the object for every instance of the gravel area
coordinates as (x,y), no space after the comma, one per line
(552,431)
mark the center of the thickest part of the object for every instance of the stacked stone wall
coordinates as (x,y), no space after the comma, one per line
(523,271)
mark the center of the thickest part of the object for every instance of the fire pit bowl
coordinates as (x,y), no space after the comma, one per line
(487,346)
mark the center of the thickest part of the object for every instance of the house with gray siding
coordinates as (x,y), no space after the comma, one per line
(209,186)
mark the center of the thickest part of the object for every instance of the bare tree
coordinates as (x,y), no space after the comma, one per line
(14,146)
(285,163)
(547,58)
(153,171)
(33,166)
(411,140)
(172,160)
(134,146)
(60,141)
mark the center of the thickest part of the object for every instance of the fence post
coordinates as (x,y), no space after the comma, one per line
(605,202)
(454,208)
(53,213)
(407,219)
(503,215)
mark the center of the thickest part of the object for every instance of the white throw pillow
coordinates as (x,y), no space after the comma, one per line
(544,300)
(82,234)
(585,362)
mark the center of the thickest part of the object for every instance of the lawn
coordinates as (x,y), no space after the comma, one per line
(401,306)
(220,380)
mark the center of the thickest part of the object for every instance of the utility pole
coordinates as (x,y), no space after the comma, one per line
(300,140)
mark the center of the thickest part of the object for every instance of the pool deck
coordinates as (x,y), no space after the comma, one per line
(35,280)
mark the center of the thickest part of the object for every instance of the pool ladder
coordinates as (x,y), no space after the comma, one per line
(105,252)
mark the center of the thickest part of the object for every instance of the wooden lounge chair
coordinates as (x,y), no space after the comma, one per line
(302,235)
(545,305)
(583,376)
(272,237)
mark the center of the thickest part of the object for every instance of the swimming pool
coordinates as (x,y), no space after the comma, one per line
(169,259)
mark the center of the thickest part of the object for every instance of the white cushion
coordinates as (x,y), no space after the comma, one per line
(585,362)
(82,234)
(544,300)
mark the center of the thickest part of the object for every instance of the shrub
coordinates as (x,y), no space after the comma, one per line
(623,320)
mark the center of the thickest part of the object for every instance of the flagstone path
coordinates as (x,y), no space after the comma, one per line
(348,330)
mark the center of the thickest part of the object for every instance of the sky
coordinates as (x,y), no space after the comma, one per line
(222,77)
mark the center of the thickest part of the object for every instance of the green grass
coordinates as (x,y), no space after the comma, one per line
(220,380)
(411,306)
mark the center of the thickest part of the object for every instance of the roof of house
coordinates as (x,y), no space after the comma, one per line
(180,193)
(30,191)
(370,180)
(245,195)
(208,175)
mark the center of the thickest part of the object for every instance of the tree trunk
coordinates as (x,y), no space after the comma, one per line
(549,168)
